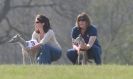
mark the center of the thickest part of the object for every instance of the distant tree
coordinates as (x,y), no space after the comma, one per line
(113,18)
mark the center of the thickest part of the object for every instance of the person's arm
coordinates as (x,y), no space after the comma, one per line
(91,42)
(76,47)
(44,40)
(37,46)
(92,39)
(34,34)
(47,37)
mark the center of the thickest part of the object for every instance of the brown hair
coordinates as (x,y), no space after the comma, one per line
(44,19)
(83,17)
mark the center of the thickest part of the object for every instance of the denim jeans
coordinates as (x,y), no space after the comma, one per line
(48,54)
(94,52)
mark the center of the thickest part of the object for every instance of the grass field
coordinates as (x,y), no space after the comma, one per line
(66,72)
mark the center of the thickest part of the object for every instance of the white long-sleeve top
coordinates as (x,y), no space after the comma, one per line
(49,38)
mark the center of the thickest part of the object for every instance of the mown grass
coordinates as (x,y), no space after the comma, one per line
(66,72)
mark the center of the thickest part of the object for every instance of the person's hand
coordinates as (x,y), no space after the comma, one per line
(78,49)
(83,47)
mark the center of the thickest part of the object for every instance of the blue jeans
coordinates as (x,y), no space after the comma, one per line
(93,53)
(48,54)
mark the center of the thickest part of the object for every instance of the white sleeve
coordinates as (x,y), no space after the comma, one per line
(47,37)
(34,36)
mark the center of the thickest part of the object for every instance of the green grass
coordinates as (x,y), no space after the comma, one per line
(65,72)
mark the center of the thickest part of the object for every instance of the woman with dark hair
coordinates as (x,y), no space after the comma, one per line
(48,46)
(89,34)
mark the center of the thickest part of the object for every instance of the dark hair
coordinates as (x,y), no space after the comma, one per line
(83,17)
(45,20)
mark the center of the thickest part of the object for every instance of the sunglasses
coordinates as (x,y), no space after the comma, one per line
(82,19)
(37,22)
